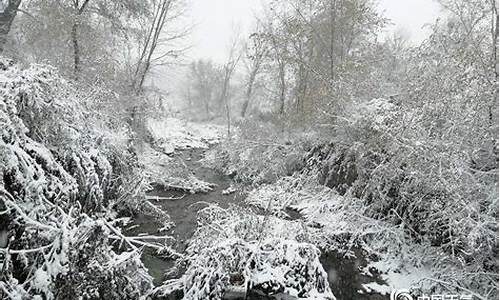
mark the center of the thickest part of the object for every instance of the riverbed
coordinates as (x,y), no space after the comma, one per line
(345,276)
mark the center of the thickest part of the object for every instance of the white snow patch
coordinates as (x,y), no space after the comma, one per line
(176,134)
(396,278)
(230,190)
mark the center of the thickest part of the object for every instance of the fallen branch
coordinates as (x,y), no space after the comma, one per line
(25,251)
(158,198)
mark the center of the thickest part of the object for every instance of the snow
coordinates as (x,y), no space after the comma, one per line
(378,111)
(41,283)
(56,178)
(175,134)
(268,258)
(230,190)
(374,287)
(170,134)
(273,264)
(171,173)
(395,276)
(330,215)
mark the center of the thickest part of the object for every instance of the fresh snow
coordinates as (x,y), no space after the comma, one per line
(175,134)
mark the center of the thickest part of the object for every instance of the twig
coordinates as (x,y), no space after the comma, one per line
(24,251)
(456,286)
(26,218)
(158,198)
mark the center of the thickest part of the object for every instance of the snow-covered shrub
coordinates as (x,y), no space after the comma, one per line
(272,267)
(260,154)
(231,249)
(342,224)
(60,181)
(392,158)
(76,262)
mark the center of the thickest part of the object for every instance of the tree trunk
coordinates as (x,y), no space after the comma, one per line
(76,48)
(158,27)
(225,98)
(333,12)
(494,34)
(6,19)
(228,118)
(282,89)
(206,100)
(248,94)
(74,34)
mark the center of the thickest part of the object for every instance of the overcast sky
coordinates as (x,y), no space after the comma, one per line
(216,19)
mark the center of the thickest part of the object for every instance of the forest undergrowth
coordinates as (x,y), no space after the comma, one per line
(70,179)
(425,213)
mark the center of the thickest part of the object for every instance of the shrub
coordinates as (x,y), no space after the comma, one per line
(59,185)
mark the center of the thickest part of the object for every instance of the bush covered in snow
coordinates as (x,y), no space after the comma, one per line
(172,134)
(343,223)
(428,199)
(427,182)
(260,154)
(62,181)
(234,251)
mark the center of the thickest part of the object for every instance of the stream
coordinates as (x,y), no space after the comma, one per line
(344,274)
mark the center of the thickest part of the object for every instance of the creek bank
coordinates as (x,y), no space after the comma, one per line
(182,206)
(344,274)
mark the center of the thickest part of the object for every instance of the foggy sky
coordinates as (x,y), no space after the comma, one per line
(216,21)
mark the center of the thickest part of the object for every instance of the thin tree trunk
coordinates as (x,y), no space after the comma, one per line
(147,41)
(248,94)
(494,34)
(154,42)
(228,117)
(74,35)
(225,98)
(6,19)
(206,100)
(333,7)
(282,89)
(494,37)
(76,48)
(280,59)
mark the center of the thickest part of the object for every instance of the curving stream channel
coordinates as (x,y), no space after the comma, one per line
(344,274)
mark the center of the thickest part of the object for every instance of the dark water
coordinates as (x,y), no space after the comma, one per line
(182,208)
(344,273)
(345,276)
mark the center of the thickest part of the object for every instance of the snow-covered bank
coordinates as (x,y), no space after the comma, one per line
(365,186)
(169,135)
(61,185)
(172,134)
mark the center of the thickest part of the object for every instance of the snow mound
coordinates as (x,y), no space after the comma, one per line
(170,173)
(271,267)
(174,134)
